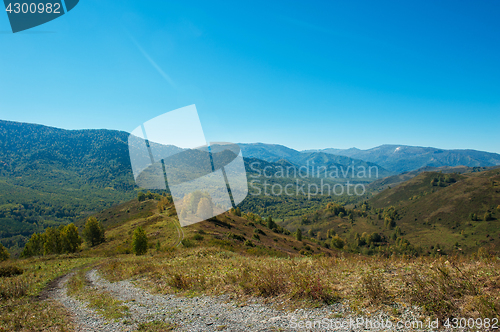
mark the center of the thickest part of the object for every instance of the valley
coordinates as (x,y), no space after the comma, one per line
(418,245)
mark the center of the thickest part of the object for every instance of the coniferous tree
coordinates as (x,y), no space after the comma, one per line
(270,223)
(298,235)
(139,241)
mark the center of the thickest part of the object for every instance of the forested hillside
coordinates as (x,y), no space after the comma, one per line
(433,213)
(50,176)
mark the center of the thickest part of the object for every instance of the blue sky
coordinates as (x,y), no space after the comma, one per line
(302,74)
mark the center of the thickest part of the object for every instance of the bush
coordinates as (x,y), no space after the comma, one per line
(187,243)
(236,237)
(488,216)
(4,254)
(198,237)
(259,231)
(139,242)
(10,271)
(15,288)
(373,288)
(337,242)
(249,243)
(438,291)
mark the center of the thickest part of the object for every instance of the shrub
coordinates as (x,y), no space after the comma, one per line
(373,288)
(249,243)
(179,281)
(139,242)
(14,288)
(236,237)
(4,254)
(439,290)
(259,231)
(187,243)
(10,271)
(236,212)
(198,237)
(337,242)
(488,216)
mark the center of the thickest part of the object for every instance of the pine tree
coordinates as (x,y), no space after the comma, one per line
(270,223)
(298,235)
(139,241)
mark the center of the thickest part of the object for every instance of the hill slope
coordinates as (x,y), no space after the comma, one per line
(50,176)
(246,234)
(456,212)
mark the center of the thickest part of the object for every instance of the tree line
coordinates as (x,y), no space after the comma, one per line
(64,239)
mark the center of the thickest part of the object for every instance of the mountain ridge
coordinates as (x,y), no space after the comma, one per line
(404,158)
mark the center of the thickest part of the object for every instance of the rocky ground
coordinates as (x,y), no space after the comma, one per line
(217,313)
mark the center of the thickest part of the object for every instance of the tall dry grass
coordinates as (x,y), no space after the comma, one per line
(443,287)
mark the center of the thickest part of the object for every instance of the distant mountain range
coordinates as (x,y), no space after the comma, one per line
(281,154)
(50,176)
(403,158)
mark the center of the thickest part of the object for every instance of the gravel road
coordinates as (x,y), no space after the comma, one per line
(209,313)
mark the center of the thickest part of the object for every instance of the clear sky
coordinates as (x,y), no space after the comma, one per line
(310,74)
